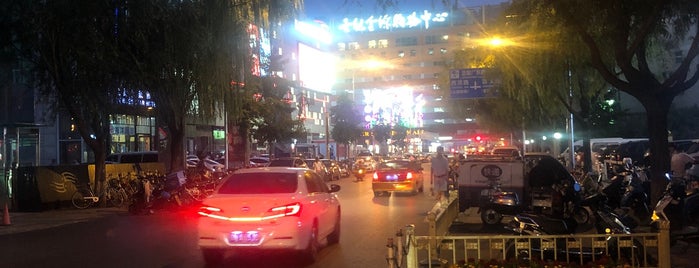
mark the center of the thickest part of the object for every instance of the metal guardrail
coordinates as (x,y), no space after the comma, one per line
(439,249)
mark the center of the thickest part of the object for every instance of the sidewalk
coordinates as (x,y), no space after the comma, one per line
(31,221)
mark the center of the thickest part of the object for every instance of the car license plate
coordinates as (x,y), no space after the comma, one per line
(239,237)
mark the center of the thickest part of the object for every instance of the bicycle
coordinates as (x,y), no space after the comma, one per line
(84,197)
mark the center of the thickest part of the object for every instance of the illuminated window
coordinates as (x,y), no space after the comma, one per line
(436,39)
(430,51)
(413,53)
(279,51)
(372,44)
(443,50)
(401,53)
(341,46)
(406,41)
(353,45)
(383,43)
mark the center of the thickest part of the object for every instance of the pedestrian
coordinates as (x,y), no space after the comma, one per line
(440,172)
(680,162)
(319,167)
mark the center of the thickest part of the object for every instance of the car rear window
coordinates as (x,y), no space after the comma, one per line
(394,165)
(260,183)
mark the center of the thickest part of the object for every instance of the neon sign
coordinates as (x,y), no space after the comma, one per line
(388,22)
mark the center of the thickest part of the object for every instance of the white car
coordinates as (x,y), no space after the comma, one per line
(214,166)
(269,208)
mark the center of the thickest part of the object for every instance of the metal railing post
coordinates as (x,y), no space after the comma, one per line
(664,259)
(412,247)
(391,254)
(432,227)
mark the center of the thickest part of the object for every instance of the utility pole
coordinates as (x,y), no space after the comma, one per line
(327,129)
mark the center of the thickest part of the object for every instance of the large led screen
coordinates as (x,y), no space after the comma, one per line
(316,68)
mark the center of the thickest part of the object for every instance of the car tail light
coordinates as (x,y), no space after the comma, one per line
(409,176)
(210,211)
(376,176)
(293,209)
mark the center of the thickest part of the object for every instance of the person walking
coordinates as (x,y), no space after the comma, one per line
(439,171)
(680,162)
(319,167)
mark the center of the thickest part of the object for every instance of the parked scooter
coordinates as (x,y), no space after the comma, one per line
(495,203)
(552,192)
(607,223)
(681,208)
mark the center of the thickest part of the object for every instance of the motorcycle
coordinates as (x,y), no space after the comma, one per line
(681,209)
(607,222)
(552,191)
(495,203)
(359,173)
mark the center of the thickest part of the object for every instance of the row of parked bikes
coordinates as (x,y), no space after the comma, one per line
(145,192)
(557,203)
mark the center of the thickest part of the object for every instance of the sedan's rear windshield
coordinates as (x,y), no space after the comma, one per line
(395,165)
(259,183)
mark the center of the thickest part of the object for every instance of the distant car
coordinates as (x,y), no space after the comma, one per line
(259,161)
(270,208)
(287,162)
(507,151)
(213,166)
(397,176)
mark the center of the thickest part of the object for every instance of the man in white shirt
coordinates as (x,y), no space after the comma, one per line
(440,174)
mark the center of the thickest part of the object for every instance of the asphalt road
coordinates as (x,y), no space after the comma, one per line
(168,239)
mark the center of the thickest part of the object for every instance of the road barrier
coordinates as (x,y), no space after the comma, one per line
(439,249)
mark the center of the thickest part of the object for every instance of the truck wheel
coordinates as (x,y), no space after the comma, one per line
(490,216)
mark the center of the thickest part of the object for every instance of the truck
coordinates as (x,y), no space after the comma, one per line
(476,172)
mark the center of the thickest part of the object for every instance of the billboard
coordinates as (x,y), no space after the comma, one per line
(316,68)
(471,84)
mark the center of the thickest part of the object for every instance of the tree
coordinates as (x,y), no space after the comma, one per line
(382,132)
(170,44)
(273,122)
(631,44)
(400,134)
(74,52)
(543,79)
(346,121)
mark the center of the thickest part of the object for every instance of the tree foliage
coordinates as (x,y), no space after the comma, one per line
(74,54)
(634,46)
(346,121)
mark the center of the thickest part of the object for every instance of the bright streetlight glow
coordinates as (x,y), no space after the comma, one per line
(557,135)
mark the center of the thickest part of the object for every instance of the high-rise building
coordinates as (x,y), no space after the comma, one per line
(396,66)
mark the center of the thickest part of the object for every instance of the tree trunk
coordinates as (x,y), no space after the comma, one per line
(656,113)
(176,147)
